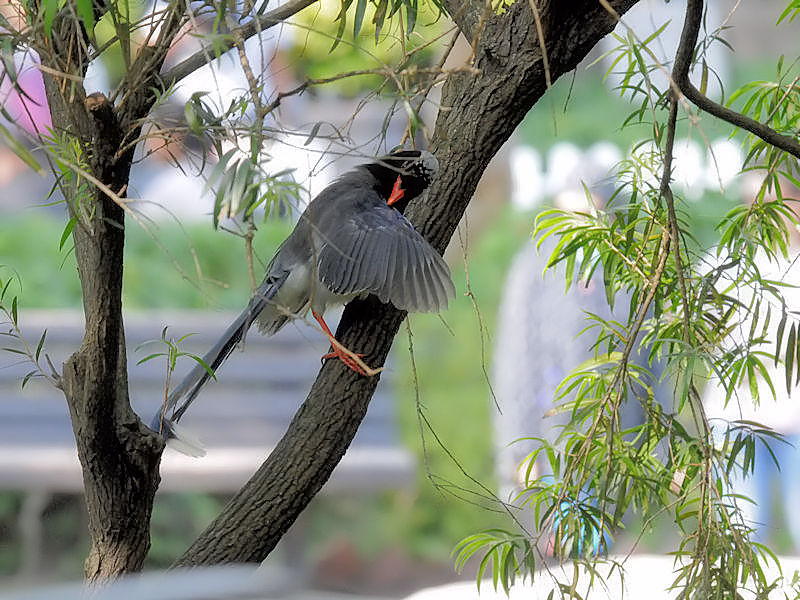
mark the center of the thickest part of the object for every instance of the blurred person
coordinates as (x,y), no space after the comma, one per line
(781,414)
(538,343)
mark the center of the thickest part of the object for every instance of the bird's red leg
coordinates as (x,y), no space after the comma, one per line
(397,191)
(348,357)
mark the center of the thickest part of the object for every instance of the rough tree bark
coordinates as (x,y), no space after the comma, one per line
(119,455)
(119,458)
(478,114)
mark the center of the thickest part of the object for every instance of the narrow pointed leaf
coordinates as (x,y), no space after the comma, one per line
(20,150)
(28,377)
(797,360)
(779,339)
(313,134)
(67,232)
(49,8)
(789,358)
(378,17)
(86,13)
(342,18)
(361,8)
(40,345)
(411,16)
(150,357)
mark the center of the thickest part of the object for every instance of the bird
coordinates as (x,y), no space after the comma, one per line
(352,240)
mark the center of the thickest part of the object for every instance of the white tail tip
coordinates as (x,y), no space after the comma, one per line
(185,442)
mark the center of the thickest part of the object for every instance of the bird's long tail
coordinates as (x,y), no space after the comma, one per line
(182,396)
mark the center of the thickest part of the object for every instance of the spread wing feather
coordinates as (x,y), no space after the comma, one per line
(378,251)
(433,287)
(411,287)
(420,282)
(391,267)
(339,253)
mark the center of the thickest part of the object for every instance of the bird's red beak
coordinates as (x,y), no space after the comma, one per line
(397,192)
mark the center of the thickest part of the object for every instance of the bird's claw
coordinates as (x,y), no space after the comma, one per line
(351,360)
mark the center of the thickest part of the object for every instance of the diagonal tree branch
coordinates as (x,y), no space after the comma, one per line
(257,24)
(694,18)
(479,112)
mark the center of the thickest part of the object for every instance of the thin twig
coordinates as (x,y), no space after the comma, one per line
(252,84)
(463,241)
(542,45)
(33,357)
(248,246)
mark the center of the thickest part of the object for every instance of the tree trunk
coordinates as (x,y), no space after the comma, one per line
(479,113)
(119,456)
(318,436)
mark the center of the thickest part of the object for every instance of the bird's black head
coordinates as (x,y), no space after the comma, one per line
(416,169)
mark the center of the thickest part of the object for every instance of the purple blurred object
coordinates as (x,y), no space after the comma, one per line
(29,110)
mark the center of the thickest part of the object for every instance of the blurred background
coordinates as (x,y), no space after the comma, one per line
(389,526)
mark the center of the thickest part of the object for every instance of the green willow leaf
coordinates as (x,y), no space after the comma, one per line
(20,150)
(790,12)
(313,133)
(28,376)
(378,18)
(797,361)
(40,345)
(342,19)
(788,361)
(411,16)
(86,13)
(358,20)
(67,232)
(49,10)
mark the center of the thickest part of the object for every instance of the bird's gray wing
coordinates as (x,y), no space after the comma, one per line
(378,251)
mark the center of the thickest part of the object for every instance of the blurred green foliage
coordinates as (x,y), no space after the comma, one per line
(178,519)
(10,503)
(369,49)
(189,267)
(580,109)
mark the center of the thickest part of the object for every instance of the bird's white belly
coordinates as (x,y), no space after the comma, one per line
(294,294)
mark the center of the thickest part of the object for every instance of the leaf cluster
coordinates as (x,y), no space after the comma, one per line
(9,307)
(384,10)
(688,317)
